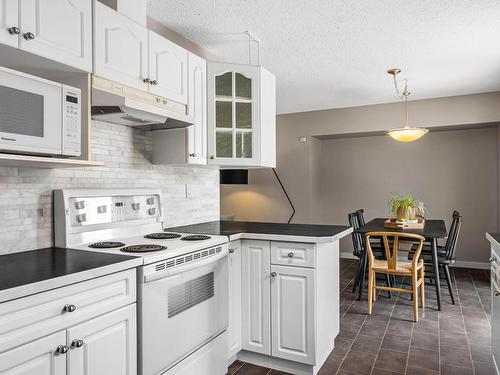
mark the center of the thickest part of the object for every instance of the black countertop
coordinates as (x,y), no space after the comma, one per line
(28,267)
(231,228)
(495,236)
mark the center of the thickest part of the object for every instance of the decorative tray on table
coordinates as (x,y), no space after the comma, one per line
(418,223)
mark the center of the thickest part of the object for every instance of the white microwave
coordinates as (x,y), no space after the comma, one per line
(38,116)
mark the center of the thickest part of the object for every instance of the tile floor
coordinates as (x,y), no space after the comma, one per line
(455,341)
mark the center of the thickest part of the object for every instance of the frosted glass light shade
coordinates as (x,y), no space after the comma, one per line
(407,134)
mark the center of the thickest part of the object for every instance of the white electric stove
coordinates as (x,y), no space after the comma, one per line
(182,285)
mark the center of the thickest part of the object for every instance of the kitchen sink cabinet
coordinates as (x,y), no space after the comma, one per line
(290,303)
(241,115)
(59,30)
(234,327)
(84,328)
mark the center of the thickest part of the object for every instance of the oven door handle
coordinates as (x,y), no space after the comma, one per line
(148,277)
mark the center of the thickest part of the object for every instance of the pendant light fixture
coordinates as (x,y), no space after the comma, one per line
(407,133)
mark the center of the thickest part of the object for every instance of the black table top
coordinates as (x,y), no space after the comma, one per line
(229,228)
(495,236)
(432,228)
(27,267)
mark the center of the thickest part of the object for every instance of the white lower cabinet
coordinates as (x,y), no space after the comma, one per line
(87,328)
(35,358)
(292,311)
(256,293)
(234,327)
(105,343)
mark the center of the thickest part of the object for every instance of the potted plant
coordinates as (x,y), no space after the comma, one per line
(404,208)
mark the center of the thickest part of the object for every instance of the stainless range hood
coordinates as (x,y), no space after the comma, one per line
(118,104)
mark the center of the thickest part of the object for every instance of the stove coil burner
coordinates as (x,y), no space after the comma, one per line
(162,236)
(142,248)
(196,237)
(106,245)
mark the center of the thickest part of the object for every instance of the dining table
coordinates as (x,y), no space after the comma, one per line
(432,231)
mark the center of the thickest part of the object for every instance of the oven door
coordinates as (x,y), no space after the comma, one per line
(30,114)
(181,312)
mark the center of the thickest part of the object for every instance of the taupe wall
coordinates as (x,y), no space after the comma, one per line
(316,170)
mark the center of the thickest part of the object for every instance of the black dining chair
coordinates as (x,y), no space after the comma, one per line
(356,220)
(446,253)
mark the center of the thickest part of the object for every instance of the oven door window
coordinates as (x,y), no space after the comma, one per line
(21,112)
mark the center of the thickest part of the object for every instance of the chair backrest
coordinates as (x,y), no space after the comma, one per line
(391,254)
(452,240)
(361,216)
(357,238)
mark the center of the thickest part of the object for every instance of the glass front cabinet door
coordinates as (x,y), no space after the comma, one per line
(236,110)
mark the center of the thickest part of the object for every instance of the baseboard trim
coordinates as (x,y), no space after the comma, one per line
(457,264)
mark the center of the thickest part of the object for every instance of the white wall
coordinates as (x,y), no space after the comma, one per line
(26,193)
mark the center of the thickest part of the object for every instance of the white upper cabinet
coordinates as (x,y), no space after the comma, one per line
(197,108)
(59,30)
(168,69)
(120,48)
(9,22)
(241,115)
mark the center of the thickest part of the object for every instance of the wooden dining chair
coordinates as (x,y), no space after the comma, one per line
(391,266)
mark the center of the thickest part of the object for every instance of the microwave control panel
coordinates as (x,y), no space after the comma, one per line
(72,120)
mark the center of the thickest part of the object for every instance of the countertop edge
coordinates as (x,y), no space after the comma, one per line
(490,237)
(61,281)
(289,238)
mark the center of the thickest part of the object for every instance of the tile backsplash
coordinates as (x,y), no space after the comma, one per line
(26,193)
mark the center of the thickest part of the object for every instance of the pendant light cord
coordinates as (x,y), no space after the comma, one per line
(286,195)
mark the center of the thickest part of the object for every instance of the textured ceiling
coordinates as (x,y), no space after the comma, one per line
(334,53)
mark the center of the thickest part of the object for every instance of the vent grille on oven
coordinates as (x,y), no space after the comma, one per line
(183,259)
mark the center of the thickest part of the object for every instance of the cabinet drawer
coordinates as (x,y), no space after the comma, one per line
(293,254)
(34,316)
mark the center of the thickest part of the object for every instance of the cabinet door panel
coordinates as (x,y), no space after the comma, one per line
(256,291)
(168,66)
(109,344)
(62,30)
(234,327)
(293,318)
(9,18)
(120,48)
(197,108)
(35,358)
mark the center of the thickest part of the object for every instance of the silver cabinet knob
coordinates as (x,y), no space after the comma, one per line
(69,308)
(212,157)
(290,255)
(492,259)
(154,82)
(77,343)
(231,251)
(146,80)
(62,349)
(14,30)
(273,274)
(496,294)
(29,36)
(193,155)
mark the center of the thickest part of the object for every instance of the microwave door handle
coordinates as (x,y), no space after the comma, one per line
(184,268)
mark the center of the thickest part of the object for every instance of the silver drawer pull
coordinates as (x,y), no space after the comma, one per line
(290,255)
(273,274)
(496,293)
(231,251)
(62,349)
(69,308)
(77,343)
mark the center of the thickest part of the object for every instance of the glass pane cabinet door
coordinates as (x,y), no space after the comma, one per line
(234,125)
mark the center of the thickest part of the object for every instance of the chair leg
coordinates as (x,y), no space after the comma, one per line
(422,287)
(388,283)
(358,272)
(362,277)
(370,291)
(448,281)
(415,295)
(374,284)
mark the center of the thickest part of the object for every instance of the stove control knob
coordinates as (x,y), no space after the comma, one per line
(81,218)
(136,206)
(80,205)
(102,209)
(152,211)
(150,200)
